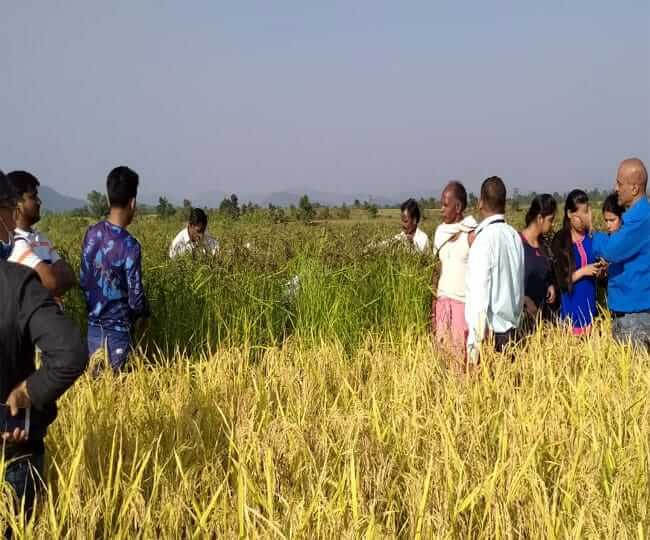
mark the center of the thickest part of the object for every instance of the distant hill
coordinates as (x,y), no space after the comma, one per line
(53,201)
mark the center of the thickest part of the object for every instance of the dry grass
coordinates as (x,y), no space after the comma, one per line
(312,442)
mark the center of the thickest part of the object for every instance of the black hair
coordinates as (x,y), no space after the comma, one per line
(122,186)
(8,195)
(562,245)
(543,205)
(23,182)
(459,192)
(411,206)
(494,194)
(198,217)
(610,204)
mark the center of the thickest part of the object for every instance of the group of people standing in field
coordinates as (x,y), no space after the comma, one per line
(496,283)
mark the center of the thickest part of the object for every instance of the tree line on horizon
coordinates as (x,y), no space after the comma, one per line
(305,211)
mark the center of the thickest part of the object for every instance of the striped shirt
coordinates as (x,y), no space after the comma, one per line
(31,248)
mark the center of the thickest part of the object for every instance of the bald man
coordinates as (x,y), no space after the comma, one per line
(629,291)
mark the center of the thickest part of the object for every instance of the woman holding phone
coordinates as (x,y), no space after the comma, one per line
(576,268)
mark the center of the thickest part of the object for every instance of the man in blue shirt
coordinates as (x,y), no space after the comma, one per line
(111,275)
(629,248)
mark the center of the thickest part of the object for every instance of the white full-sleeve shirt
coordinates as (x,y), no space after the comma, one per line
(182,245)
(494,297)
(421,241)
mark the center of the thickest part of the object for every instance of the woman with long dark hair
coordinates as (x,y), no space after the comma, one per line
(539,289)
(576,268)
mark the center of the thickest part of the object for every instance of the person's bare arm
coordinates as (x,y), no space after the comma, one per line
(591,270)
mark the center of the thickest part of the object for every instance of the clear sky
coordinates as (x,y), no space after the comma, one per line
(340,96)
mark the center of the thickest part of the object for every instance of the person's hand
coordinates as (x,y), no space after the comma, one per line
(18,399)
(15,436)
(603,266)
(551,295)
(531,307)
(591,270)
(471,237)
(410,237)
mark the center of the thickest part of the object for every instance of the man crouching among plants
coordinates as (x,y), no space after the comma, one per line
(29,317)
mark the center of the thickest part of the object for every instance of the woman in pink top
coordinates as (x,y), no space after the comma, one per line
(451,244)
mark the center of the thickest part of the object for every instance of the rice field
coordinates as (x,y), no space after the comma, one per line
(256,409)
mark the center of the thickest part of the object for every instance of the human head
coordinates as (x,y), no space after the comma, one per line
(493,197)
(29,203)
(631,181)
(576,211)
(122,189)
(197,224)
(8,201)
(410,215)
(612,213)
(542,213)
(453,202)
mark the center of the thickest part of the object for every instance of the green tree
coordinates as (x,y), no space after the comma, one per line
(306,212)
(344,212)
(165,208)
(515,201)
(277,214)
(373,211)
(229,207)
(187,208)
(97,204)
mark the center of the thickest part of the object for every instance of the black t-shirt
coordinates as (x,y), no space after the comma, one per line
(538,273)
(29,317)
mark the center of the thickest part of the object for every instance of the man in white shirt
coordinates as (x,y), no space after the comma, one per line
(495,275)
(412,234)
(31,247)
(194,237)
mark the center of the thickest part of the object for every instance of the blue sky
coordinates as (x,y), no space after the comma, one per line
(372,97)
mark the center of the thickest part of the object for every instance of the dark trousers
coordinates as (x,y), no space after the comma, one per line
(118,344)
(25,476)
(502,340)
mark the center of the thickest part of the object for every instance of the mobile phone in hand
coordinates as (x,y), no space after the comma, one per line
(8,422)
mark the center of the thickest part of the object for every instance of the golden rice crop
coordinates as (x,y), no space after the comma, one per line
(386,442)
(331,414)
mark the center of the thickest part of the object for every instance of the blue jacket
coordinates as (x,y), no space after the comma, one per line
(629,290)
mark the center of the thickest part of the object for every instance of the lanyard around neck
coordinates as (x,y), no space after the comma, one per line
(491,223)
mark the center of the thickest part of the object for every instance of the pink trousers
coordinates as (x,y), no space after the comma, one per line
(449,324)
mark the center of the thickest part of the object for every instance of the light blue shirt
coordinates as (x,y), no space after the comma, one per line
(629,248)
(495,281)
